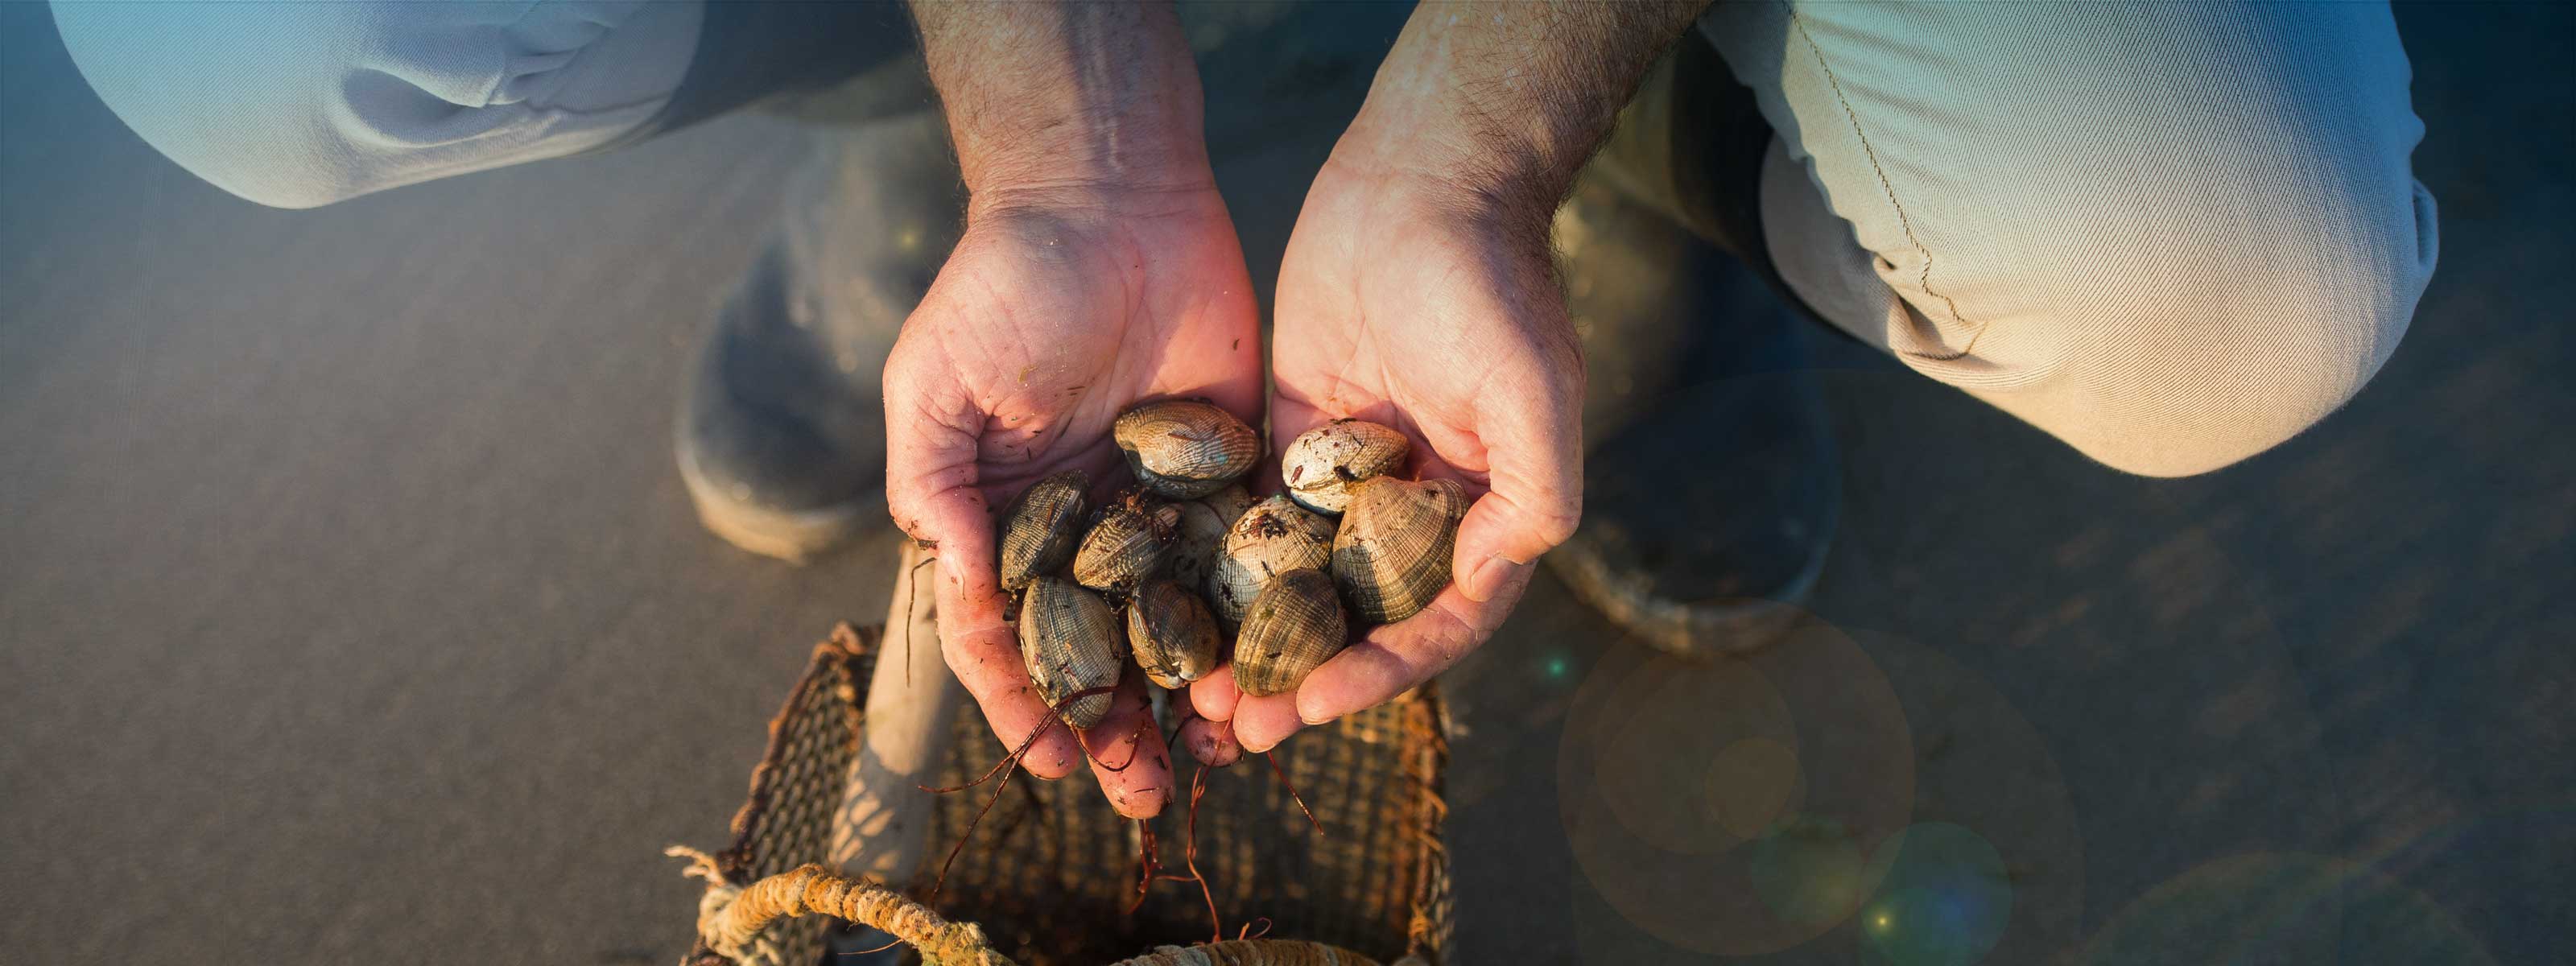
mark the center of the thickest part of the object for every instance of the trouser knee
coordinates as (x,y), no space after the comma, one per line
(299,105)
(2175,379)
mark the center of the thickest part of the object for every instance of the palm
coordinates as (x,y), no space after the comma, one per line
(1041,330)
(1042,327)
(1395,327)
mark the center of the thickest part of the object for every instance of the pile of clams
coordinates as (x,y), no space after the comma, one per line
(1202,572)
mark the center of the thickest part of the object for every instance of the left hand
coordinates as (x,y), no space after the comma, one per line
(1408,301)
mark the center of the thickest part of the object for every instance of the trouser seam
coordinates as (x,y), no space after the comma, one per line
(1903,223)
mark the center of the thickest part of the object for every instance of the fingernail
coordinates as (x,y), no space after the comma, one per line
(1313,717)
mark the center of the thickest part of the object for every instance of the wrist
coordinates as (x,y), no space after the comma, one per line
(1087,156)
(1414,150)
(1422,145)
(1088,202)
(1067,96)
(1413,172)
(1507,101)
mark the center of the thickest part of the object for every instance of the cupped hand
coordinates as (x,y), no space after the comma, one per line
(1057,310)
(1406,300)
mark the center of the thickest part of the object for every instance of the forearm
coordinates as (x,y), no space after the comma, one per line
(1507,100)
(1065,95)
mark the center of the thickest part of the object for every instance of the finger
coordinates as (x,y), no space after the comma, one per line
(1399,656)
(1127,753)
(1291,415)
(931,491)
(980,647)
(1210,742)
(1213,697)
(1260,724)
(1535,500)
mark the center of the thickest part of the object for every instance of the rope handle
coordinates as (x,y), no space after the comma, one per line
(1258,952)
(731,917)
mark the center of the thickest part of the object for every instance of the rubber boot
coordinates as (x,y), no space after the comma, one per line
(1711,485)
(781,435)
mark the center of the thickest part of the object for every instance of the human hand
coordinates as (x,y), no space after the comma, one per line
(1419,291)
(1055,314)
(1098,268)
(1407,303)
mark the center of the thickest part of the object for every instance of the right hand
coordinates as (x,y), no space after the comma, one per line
(1060,308)
(1431,307)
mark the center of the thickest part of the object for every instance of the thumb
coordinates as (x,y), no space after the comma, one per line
(1536,494)
(1503,536)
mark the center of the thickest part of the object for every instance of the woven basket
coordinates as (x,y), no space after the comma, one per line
(1051,872)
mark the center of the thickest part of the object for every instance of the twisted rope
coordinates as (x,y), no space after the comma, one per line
(732,917)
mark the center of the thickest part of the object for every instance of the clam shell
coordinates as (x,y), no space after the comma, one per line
(1272,538)
(1203,525)
(1291,629)
(1042,527)
(1391,555)
(1185,449)
(1072,644)
(1230,504)
(1171,633)
(1134,540)
(1320,465)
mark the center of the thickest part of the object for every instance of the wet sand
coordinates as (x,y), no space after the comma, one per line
(350,608)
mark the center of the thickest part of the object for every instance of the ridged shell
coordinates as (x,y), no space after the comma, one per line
(1203,525)
(1272,538)
(1134,540)
(1042,528)
(1072,644)
(1230,505)
(1293,627)
(1320,464)
(1171,633)
(1185,449)
(1391,556)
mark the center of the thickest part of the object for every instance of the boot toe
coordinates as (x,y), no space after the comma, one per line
(782,450)
(1706,523)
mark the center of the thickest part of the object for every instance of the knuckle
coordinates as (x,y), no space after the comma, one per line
(1546,522)
(1558,525)
(1451,649)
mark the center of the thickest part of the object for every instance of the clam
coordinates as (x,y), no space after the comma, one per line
(1072,644)
(1291,629)
(1202,534)
(1172,634)
(1272,538)
(1391,556)
(1184,449)
(1229,505)
(1320,464)
(1041,528)
(1133,540)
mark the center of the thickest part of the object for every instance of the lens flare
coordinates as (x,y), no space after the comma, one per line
(1734,807)
(1944,901)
